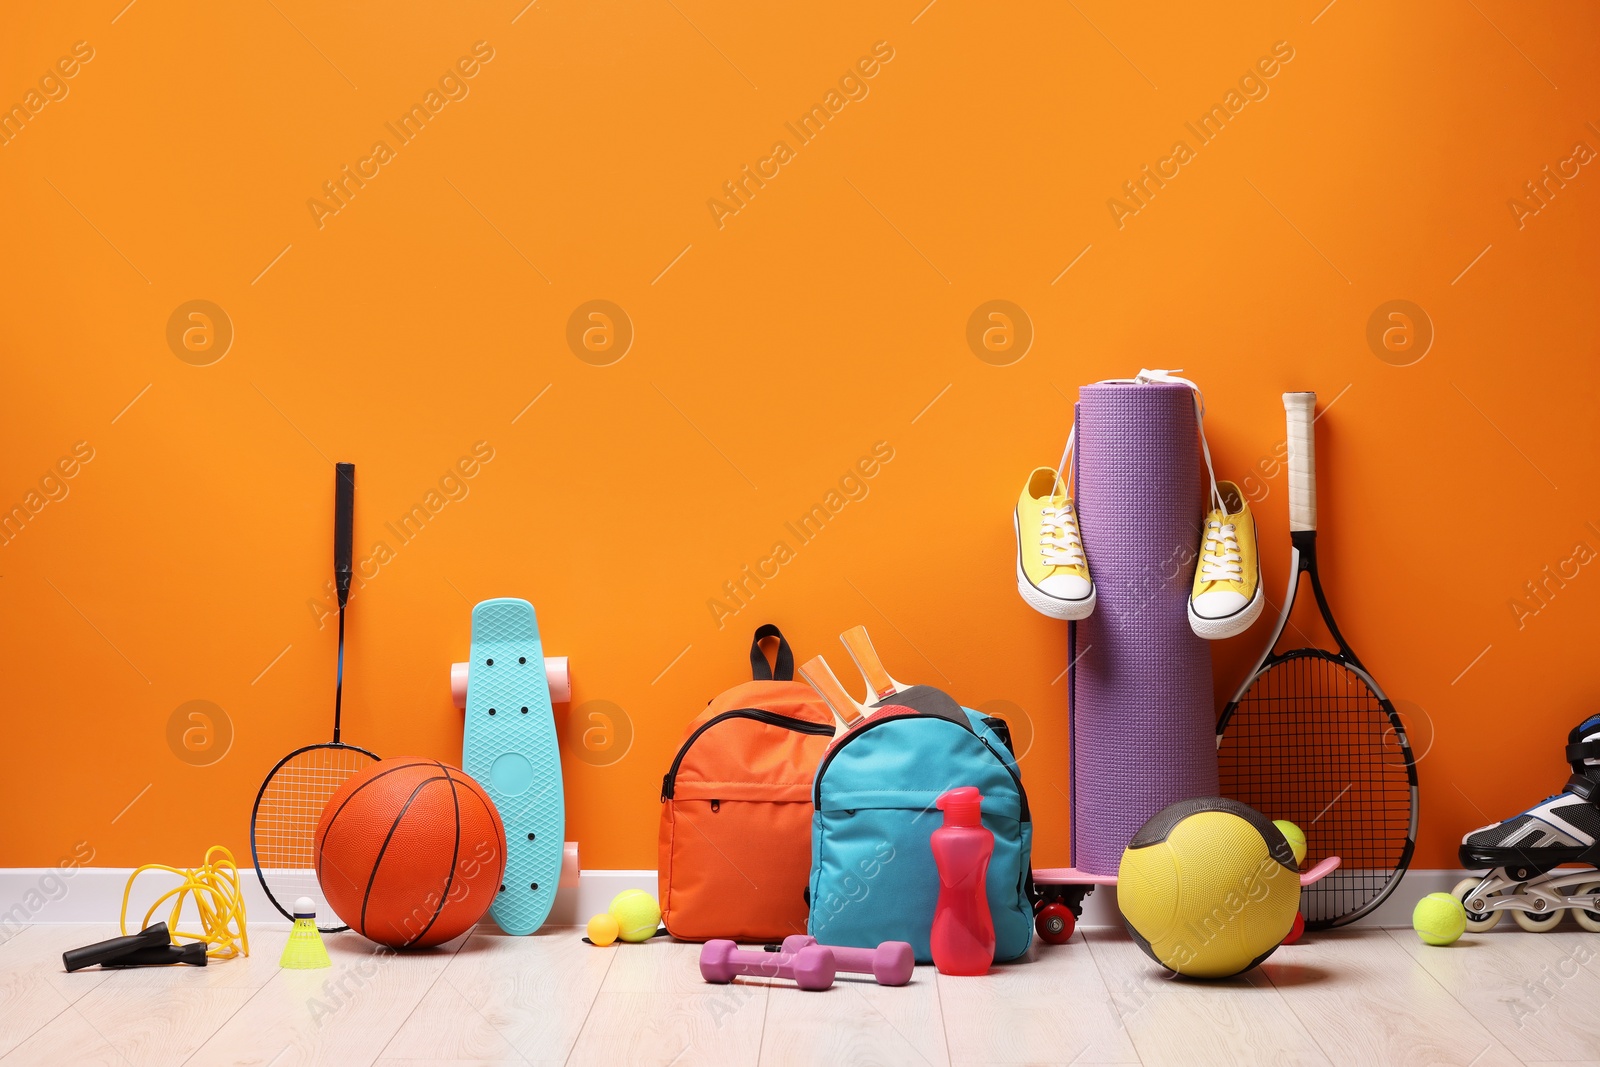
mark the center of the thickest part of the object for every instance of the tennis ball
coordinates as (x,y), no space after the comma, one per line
(637,914)
(1439,919)
(603,929)
(1297,840)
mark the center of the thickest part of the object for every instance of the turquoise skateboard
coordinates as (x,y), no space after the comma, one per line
(510,748)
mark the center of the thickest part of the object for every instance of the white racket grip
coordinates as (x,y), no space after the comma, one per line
(1301,409)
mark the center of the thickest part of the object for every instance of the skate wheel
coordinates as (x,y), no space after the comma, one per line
(1055,924)
(1476,924)
(1539,922)
(1589,920)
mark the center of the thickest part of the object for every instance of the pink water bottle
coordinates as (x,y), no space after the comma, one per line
(963,931)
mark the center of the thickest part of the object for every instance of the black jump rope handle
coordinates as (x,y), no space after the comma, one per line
(76,959)
(193,954)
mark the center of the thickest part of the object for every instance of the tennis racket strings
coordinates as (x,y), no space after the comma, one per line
(1311,742)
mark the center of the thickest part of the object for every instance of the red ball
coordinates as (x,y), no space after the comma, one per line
(1296,928)
(410,852)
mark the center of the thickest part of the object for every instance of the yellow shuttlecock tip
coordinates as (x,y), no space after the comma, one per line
(305,950)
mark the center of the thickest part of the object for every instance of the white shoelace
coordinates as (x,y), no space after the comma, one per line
(1219,555)
(1147,375)
(1058,537)
(1059,541)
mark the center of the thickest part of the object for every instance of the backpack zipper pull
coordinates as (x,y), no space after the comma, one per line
(716,806)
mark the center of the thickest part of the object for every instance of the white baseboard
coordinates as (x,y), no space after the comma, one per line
(37,895)
(94,895)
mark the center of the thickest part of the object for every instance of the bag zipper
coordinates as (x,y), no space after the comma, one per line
(1016,776)
(878,720)
(771,718)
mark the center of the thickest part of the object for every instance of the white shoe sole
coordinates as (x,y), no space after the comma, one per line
(1232,625)
(1044,603)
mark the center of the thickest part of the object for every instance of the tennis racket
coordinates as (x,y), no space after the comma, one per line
(1310,736)
(283,824)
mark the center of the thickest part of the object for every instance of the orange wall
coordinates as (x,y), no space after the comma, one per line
(773,347)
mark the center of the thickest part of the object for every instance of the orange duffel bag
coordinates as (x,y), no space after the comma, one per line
(736,807)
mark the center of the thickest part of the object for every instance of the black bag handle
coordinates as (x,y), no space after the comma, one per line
(760,670)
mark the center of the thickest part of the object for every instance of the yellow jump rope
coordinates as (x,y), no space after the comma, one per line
(217,898)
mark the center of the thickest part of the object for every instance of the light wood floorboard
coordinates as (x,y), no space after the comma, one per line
(1358,996)
(1053,1008)
(1366,1000)
(345,1014)
(497,1004)
(722,1027)
(1177,1020)
(857,1021)
(1539,993)
(33,988)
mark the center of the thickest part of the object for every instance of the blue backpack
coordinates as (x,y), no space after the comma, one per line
(873,878)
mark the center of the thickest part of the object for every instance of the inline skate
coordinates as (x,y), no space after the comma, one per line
(1525,852)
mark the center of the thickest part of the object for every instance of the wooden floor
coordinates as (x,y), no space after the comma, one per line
(1359,997)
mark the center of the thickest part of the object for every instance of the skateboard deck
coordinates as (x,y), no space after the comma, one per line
(1073,876)
(510,747)
(1058,891)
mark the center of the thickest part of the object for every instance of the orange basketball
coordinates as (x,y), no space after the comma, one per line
(410,852)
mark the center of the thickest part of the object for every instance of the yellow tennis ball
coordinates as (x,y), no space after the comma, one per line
(1439,919)
(637,914)
(1293,835)
(603,929)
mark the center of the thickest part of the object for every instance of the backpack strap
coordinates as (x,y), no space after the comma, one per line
(760,670)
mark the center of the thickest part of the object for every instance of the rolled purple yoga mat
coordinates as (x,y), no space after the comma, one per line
(1143,726)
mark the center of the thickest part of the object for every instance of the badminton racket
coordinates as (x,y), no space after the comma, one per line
(283,823)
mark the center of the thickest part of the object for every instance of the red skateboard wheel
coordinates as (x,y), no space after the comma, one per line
(1055,923)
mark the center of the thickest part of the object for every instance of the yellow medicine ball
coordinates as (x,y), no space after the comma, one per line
(1208,887)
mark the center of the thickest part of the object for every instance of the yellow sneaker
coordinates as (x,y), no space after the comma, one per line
(1052,571)
(1226,597)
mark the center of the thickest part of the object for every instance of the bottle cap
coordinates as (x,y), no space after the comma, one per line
(962,806)
(305,908)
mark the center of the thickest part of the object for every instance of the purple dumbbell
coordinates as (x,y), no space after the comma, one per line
(810,968)
(891,963)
